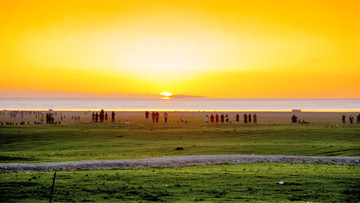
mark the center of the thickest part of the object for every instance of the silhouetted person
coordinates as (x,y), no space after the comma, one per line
(222,118)
(351,119)
(358,118)
(166,116)
(106,116)
(92,117)
(96,117)
(147,116)
(217,118)
(293,119)
(47,119)
(157,115)
(245,118)
(102,114)
(343,119)
(153,116)
(212,118)
(113,116)
(237,118)
(249,118)
(255,118)
(227,118)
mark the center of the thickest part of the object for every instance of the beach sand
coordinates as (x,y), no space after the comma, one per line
(174,116)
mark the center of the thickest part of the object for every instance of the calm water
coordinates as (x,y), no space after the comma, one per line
(182,104)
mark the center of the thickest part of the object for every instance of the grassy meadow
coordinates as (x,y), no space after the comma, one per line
(226,182)
(88,141)
(240,182)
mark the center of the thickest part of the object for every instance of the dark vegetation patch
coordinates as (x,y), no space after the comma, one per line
(11,158)
(179,148)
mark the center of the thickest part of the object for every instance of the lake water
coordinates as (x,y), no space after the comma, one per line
(182,104)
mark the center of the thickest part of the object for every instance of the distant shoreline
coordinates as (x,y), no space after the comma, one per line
(195,111)
(138,116)
(183,105)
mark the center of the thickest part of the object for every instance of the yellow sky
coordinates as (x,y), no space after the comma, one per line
(217,49)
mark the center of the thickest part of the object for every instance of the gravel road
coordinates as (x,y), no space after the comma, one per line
(176,161)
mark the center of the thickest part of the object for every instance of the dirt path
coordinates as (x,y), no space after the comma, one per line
(170,162)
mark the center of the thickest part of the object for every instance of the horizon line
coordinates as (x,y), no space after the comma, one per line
(174,97)
(202,111)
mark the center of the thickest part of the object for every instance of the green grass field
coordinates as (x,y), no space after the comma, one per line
(75,142)
(240,182)
(227,182)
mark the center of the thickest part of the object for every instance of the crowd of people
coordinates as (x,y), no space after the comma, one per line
(248,118)
(155,116)
(51,117)
(295,119)
(351,119)
(102,116)
(34,117)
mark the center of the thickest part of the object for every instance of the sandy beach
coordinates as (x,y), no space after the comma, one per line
(32,116)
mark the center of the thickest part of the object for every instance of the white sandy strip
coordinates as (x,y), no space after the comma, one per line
(171,162)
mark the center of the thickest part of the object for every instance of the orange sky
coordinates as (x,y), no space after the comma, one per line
(216,49)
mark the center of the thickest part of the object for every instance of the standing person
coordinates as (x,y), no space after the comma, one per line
(157,117)
(237,118)
(182,118)
(351,119)
(227,118)
(96,117)
(358,118)
(222,118)
(165,116)
(113,117)
(245,118)
(153,116)
(294,119)
(42,119)
(343,119)
(106,116)
(206,118)
(92,117)
(217,118)
(47,118)
(255,118)
(147,116)
(212,118)
(249,118)
(102,115)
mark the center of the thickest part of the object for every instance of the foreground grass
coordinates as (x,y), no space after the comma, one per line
(240,182)
(75,142)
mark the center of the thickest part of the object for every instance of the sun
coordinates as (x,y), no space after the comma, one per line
(166,94)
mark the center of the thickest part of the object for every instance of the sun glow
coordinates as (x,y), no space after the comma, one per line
(166,94)
(207,48)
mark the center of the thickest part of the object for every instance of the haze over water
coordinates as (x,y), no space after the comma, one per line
(181,104)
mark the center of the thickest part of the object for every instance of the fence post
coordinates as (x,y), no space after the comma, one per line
(52,187)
